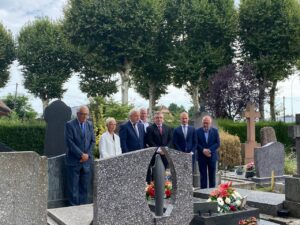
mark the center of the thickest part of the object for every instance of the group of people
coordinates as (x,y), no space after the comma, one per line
(135,134)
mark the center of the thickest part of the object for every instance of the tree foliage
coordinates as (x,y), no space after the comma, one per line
(45,55)
(270,38)
(206,33)
(229,91)
(7,54)
(21,106)
(113,34)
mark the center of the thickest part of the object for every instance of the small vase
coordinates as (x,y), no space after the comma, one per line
(249,174)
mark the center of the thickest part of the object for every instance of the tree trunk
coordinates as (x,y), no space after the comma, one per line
(45,104)
(272,100)
(195,99)
(152,100)
(125,81)
(261,99)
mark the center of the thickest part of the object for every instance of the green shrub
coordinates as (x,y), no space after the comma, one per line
(23,136)
(290,165)
(229,151)
(240,129)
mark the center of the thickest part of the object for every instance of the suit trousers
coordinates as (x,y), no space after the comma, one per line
(207,164)
(78,180)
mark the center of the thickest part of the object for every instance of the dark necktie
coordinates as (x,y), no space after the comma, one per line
(82,128)
(160,129)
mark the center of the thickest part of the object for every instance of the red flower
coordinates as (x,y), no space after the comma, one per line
(151,192)
(215,193)
(223,192)
(232,208)
(168,193)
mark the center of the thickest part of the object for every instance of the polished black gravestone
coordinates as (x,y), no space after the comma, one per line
(56,115)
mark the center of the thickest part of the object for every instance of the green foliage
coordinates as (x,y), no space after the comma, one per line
(23,136)
(290,164)
(175,109)
(7,54)
(21,106)
(45,55)
(171,120)
(240,129)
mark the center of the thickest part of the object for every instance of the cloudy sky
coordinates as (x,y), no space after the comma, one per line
(15,13)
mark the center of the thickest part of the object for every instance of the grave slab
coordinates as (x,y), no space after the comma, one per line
(267,202)
(23,188)
(74,215)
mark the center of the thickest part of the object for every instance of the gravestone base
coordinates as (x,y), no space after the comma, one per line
(293,207)
(225,218)
(267,180)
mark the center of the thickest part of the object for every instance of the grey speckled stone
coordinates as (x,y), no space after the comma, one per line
(119,189)
(23,188)
(267,135)
(269,157)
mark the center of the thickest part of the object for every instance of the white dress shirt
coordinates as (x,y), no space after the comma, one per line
(109,146)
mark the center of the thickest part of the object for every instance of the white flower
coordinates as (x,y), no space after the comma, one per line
(209,200)
(237,195)
(238,203)
(219,209)
(227,200)
(220,201)
(233,195)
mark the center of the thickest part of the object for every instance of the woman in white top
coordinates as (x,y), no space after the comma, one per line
(109,144)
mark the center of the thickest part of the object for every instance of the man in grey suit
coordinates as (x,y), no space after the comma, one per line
(80,140)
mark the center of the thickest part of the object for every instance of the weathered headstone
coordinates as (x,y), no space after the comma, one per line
(267,135)
(269,158)
(4,110)
(56,115)
(292,184)
(23,188)
(250,144)
(119,184)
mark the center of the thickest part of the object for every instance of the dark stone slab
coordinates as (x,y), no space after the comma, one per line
(225,218)
(292,189)
(267,180)
(5,148)
(269,158)
(119,184)
(293,207)
(56,115)
(202,206)
(23,188)
(294,131)
(267,202)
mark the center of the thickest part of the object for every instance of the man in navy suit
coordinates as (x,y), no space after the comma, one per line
(80,140)
(184,136)
(208,143)
(132,133)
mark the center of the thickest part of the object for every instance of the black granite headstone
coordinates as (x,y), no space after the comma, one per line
(56,115)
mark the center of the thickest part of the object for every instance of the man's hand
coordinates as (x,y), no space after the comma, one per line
(207,152)
(84,158)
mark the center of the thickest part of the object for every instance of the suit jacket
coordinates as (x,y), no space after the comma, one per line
(213,142)
(185,145)
(78,143)
(108,146)
(129,139)
(155,139)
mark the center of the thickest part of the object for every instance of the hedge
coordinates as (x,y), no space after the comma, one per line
(240,129)
(23,136)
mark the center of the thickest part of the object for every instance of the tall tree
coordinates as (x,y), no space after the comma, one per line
(230,89)
(270,38)
(7,54)
(207,31)
(114,33)
(45,56)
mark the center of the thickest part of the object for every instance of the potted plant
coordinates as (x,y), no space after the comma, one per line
(239,170)
(250,170)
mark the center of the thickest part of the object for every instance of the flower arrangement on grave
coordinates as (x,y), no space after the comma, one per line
(250,166)
(249,221)
(150,190)
(227,197)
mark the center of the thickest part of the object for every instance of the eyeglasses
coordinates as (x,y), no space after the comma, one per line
(83,114)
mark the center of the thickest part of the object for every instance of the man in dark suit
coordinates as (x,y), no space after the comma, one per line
(208,143)
(80,140)
(132,133)
(144,118)
(158,134)
(184,136)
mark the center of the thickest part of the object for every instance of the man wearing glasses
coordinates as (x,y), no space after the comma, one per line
(80,140)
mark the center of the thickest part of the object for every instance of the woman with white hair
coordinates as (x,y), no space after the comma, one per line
(109,144)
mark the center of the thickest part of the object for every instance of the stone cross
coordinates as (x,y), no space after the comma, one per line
(294,132)
(250,115)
